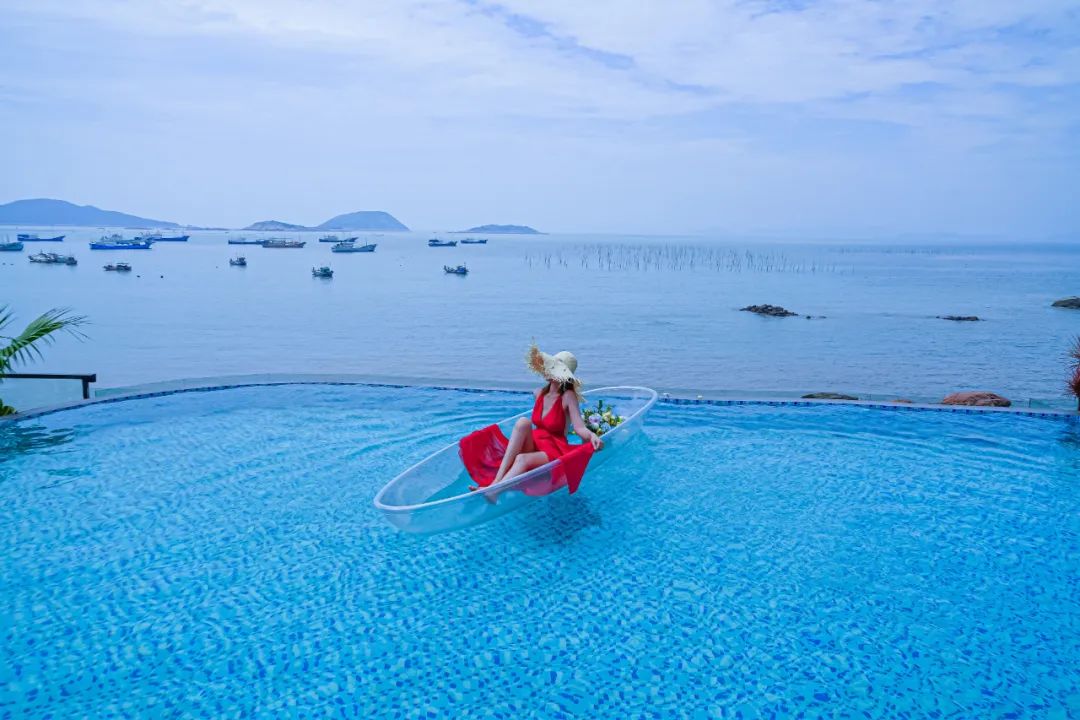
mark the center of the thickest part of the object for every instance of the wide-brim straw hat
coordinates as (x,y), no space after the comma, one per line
(560,367)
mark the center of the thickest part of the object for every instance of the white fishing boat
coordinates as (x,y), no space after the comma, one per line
(350,246)
(433,496)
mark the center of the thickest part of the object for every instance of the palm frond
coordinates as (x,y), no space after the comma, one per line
(5,316)
(41,331)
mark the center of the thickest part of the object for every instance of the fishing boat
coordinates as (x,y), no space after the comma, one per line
(245,241)
(352,247)
(433,496)
(322,272)
(11,246)
(238,261)
(283,243)
(172,238)
(118,267)
(336,239)
(435,242)
(459,270)
(48,258)
(34,237)
(117,242)
(474,241)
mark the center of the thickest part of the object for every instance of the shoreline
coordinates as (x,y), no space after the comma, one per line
(212,384)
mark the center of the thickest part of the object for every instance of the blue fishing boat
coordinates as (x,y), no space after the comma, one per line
(238,261)
(474,241)
(322,272)
(459,270)
(11,246)
(245,241)
(117,242)
(352,247)
(158,237)
(435,242)
(275,243)
(34,237)
(336,239)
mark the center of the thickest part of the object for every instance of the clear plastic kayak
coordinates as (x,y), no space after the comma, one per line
(433,496)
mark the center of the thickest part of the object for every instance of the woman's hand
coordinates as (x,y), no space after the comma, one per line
(597,443)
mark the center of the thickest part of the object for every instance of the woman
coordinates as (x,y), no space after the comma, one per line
(541,440)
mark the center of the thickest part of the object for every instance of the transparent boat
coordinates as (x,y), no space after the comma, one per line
(433,496)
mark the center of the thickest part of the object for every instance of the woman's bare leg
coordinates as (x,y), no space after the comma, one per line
(525,462)
(520,441)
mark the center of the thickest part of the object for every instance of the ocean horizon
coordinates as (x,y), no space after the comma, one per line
(662,311)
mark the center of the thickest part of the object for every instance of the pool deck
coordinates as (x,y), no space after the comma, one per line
(159,389)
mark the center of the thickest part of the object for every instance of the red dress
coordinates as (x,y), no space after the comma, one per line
(482,451)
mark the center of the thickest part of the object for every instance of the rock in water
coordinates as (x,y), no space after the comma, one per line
(979,398)
(1073,303)
(829,396)
(960,318)
(770,310)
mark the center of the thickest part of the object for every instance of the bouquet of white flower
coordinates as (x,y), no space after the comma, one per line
(601,418)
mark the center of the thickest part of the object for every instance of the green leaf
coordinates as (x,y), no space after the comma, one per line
(41,331)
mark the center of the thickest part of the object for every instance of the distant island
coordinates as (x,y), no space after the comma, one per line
(47,212)
(274,225)
(363,220)
(360,220)
(502,230)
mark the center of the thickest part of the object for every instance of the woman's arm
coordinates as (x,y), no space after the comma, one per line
(574,408)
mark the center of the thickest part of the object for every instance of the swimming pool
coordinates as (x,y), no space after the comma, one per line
(217,554)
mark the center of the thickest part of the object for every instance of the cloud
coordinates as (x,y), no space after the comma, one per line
(687,93)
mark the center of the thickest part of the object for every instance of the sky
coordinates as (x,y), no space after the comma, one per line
(811,118)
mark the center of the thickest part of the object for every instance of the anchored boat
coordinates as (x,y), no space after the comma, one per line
(283,243)
(322,272)
(474,241)
(336,239)
(350,246)
(435,242)
(238,261)
(459,270)
(117,242)
(433,496)
(118,267)
(48,258)
(245,241)
(11,246)
(34,237)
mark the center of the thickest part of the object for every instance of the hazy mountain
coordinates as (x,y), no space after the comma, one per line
(274,225)
(363,220)
(43,211)
(502,230)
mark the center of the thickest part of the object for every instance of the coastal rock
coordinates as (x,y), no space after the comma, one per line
(978,398)
(770,310)
(960,318)
(1072,303)
(828,396)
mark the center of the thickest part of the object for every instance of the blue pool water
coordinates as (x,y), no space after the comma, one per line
(216,554)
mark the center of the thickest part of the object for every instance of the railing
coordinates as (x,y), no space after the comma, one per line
(86,379)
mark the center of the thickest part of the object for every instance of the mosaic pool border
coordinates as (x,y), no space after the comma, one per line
(179,386)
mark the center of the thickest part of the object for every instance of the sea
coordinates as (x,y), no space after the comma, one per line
(657,311)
